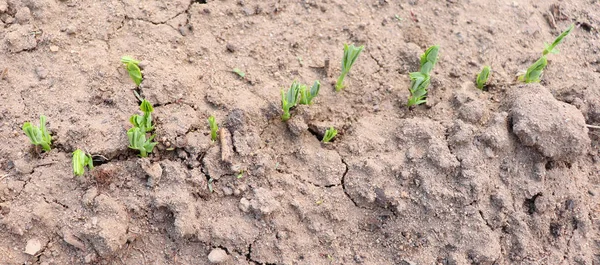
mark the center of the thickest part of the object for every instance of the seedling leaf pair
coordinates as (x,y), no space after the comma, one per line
(213,128)
(141,125)
(80,161)
(351,52)
(138,141)
(144,122)
(535,71)
(483,77)
(329,134)
(419,81)
(306,95)
(133,69)
(290,99)
(38,135)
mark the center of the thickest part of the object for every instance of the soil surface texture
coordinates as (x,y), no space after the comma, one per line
(507,175)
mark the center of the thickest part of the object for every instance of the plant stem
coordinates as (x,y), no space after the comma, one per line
(143,153)
(340,82)
(45,146)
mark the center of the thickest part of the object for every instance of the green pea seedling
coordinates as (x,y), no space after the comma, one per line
(213,128)
(329,134)
(138,141)
(350,54)
(38,135)
(144,122)
(290,99)
(483,77)
(306,95)
(535,71)
(80,160)
(239,72)
(133,69)
(419,81)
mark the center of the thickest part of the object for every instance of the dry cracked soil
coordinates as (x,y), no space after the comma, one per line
(509,175)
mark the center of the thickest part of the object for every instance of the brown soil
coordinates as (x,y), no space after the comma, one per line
(506,176)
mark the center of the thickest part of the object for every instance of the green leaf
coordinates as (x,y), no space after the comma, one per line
(38,135)
(80,160)
(329,134)
(128,59)
(550,48)
(239,72)
(534,72)
(135,73)
(351,53)
(482,77)
(213,128)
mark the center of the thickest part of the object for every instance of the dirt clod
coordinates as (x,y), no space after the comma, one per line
(556,129)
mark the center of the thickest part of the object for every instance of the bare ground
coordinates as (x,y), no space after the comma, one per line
(506,176)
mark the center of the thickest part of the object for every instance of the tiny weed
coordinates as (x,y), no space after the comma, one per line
(290,99)
(483,77)
(419,81)
(240,174)
(214,128)
(239,72)
(38,135)
(535,71)
(80,160)
(329,134)
(144,122)
(133,69)
(306,95)
(350,54)
(138,141)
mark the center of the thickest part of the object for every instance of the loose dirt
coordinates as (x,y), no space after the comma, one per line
(510,175)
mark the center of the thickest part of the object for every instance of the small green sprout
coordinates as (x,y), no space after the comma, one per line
(290,99)
(138,141)
(419,81)
(80,160)
(133,69)
(329,134)
(483,77)
(306,95)
(213,128)
(350,54)
(240,174)
(535,71)
(551,48)
(428,59)
(239,72)
(38,135)
(143,122)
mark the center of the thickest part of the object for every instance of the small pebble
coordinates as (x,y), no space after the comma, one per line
(217,256)
(53,48)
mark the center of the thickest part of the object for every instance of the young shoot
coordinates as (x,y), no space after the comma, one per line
(418,88)
(133,69)
(213,128)
(80,160)
(38,135)
(419,81)
(428,59)
(329,134)
(350,54)
(483,77)
(551,48)
(144,122)
(138,141)
(534,72)
(290,99)
(239,72)
(306,95)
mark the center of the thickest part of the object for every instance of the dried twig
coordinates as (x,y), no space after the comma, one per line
(592,126)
